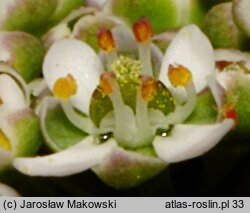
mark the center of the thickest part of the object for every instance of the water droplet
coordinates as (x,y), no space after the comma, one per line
(164,132)
(104,137)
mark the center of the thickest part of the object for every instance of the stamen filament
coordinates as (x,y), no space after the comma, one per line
(145,130)
(83,123)
(145,58)
(111,57)
(181,113)
(143,33)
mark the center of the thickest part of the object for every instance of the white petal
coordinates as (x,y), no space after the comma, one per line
(70,56)
(81,11)
(5,158)
(189,141)
(4,68)
(217,91)
(192,49)
(10,93)
(95,3)
(7,191)
(58,32)
(75,159)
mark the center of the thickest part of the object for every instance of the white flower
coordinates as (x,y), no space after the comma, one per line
(72,71)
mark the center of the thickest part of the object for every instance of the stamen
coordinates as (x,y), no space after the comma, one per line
(142,30)
(179,75)
(4,142)
(143,33)
(182,112)
(107,44)
(105,40)
(148,88)
(146,92)
(105,82)
(81,122)
(66,87)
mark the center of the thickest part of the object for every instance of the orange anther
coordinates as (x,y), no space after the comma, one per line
(148,88)
(66,87)
(105,40)
(142,30)
(105,82)
(1,102)
(179,75)
(220,65)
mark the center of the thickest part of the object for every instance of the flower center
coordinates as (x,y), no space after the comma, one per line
(4,142)
(127,102)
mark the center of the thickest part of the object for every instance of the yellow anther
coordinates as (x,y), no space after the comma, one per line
(105,82)
(142,30)
(4,142)
(148,88)
(66,87)
(179,75)
(105,40)
(1,102)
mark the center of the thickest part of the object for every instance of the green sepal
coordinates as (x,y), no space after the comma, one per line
(26,129)
(28,15)
(64,7)
(221,29)
(238,96)
(26,53)
(126,169)
(205,111)
(63,133)
(162,14)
